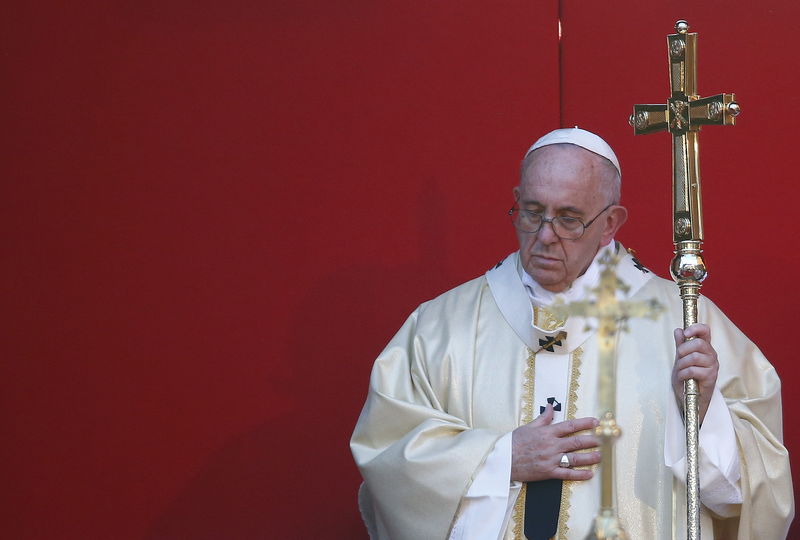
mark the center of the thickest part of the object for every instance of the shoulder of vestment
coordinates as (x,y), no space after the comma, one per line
(456,299)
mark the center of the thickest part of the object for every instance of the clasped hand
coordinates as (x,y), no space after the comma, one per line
(537,447)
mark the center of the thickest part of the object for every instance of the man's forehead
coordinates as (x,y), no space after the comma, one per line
(574,201)
(562,177)
(564,161)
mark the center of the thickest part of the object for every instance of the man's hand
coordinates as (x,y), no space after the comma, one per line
(536,449)
(695,359)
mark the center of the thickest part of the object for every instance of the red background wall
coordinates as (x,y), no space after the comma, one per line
(214,217)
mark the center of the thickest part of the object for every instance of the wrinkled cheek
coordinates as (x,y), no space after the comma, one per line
(525,250)
(526,242)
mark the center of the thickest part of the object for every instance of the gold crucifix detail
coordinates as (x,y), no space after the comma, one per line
(683,115)
(612,315)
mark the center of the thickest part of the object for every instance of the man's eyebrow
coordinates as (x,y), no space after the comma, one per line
(530,202)
(570,209)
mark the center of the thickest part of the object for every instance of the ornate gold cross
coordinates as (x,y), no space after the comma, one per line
(683,116)
(612,315)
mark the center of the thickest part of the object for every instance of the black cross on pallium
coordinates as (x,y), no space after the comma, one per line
(498,264)
(552,401)
(547,344)
(640,266)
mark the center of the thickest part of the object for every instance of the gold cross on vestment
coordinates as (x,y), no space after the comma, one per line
(612,315)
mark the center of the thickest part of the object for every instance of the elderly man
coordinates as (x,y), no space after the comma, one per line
(478,420)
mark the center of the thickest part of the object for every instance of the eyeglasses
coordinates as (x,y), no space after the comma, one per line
(565,227)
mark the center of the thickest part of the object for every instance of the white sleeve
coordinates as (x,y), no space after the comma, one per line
(487,506)
(719,458)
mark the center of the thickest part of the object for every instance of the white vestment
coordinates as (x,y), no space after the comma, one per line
(461,374)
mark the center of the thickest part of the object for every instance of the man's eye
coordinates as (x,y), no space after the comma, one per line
(570,222)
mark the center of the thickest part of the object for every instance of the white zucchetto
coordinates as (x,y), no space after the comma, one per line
(578,137)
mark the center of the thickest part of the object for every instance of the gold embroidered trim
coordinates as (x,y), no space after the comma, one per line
(527,385)
(519,513)
(527,416)
(546,320)
(574,383)
(572,409)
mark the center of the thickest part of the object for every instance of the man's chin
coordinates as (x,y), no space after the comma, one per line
(551,280)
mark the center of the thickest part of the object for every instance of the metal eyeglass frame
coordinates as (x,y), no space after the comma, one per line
(552,219)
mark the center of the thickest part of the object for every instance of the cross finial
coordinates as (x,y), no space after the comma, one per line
(683,115)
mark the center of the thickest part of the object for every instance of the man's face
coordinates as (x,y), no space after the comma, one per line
(565,180)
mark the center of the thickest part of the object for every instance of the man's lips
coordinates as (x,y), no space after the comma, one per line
(546,263)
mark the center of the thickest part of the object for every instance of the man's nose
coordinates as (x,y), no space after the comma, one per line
(547,234)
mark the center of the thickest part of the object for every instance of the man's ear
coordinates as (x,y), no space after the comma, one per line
(617,216)
(515,191)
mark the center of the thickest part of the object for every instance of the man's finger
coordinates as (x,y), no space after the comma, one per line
(568,427)
(579,442)
(700,374)
(698,345)
(583,459)
(679,336)
(699,359)
(545,418)
(698,330)
(573,474)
